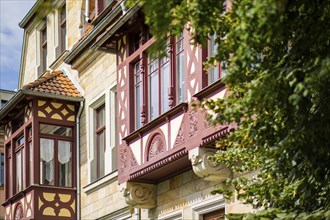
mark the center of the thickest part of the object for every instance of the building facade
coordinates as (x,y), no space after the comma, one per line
(100,129)
(5,95)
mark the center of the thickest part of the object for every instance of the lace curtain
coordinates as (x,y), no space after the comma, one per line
(47,159)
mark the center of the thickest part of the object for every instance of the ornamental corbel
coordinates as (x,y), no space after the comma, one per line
(206,168)
(140,195)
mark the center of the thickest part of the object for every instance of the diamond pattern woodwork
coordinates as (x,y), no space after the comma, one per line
(54,110)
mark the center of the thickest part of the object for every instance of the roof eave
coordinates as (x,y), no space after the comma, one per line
(27,18)
(21,94)
(94,33)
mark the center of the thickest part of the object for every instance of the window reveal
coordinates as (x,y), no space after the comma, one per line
(43,54)
(180,68)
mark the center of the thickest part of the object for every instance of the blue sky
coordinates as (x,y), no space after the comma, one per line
(11,38)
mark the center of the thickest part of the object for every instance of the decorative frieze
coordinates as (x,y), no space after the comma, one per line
(206,168)
(140,195)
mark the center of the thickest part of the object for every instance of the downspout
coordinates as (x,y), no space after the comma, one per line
(88,20)
(137,213)
(78,156)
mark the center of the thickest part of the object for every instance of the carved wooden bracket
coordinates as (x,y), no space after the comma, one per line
(207,169)
(140,195)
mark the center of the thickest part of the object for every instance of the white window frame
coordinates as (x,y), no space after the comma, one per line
(57,34)
(175,215)
(39,66)
(208,206)
(109,99)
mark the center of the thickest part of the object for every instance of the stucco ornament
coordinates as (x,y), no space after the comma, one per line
(206,168)
(140,195)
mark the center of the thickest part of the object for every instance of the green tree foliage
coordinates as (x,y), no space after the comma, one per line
(278,52)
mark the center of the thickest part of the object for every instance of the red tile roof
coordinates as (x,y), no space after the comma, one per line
(55,82)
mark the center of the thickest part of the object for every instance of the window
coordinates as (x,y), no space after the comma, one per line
(100,140)
(56,155)
(138,94)
(215,215)
(2,169)
(43,51)
(30,158)
(218,70)
(160,86)
(63,28)
(19,163)
(98,162)
(180,68)
(102,136)
(97,6)
(8,168)
(2,103)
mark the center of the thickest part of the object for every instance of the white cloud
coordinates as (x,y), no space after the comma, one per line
(11,37)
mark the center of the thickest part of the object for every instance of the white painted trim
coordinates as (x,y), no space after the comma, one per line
(122,214)
(210,205)
(176,215)
(73,80)
(90,122)
(105,180)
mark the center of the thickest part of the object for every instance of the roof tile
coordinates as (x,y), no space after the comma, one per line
(55,82)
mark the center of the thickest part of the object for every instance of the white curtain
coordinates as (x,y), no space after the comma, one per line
(47,159)
(64,151)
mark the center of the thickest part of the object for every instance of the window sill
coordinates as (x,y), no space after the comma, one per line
(182,107)
(209,89)
(107,179)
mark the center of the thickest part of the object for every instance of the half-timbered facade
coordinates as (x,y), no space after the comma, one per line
(40,149)
(163,142)
(101,129)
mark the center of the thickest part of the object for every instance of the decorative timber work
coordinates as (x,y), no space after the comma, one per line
(121,49)
(207,169)
(8,129)
(156,146)
(180,137)
(140,195)
(18,212)
(28,112)
(193,126)
(56,110)
(56,204)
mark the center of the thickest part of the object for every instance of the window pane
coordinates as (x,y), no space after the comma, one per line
(165,70)
(31,163)
(46,161)
(153,95)
(214,74)
(19,171)
(100,116)
(138,102)
(65,163)
(138,95)
(55,130)
(20,141)
(180,76)
(2,170)
(101,149)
